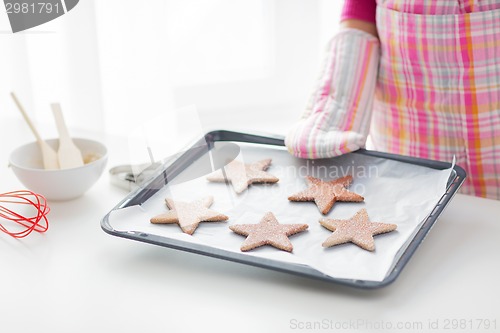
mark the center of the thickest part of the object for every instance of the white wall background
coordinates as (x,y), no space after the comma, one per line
(115,64)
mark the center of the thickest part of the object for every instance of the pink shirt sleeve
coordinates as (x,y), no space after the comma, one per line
(363,10)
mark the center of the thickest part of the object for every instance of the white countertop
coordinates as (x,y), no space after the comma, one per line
(76,278)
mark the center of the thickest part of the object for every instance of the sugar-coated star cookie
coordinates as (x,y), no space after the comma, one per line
(268,232)
(241,175)
(326,193)
(188,215)
(358,230)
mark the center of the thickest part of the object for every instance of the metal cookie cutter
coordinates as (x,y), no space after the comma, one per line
(130,177)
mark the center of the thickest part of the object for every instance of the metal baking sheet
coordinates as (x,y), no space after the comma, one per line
(348,261)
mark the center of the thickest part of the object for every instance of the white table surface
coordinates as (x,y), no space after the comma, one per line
(76,278)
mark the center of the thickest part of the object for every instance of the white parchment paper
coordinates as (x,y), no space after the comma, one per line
(395,192)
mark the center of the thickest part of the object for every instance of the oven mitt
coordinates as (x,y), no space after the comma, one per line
(337,118)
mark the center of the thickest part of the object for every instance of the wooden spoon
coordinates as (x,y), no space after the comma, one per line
(49,155)
(69,155)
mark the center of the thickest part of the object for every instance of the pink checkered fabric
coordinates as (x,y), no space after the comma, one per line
(438,90)
(438,7)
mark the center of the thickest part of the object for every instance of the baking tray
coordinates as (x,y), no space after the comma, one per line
(168,172)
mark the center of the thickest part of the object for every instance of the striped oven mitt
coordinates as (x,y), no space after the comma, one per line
(337,118)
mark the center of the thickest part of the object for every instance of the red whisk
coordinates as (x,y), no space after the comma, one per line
(36,221)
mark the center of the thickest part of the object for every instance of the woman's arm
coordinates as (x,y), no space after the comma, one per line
(368,27)
(337,118)
(359,14)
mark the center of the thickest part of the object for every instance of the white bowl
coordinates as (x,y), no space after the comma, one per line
(65,184)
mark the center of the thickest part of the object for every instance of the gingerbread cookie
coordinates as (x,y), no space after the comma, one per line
(241,175)
(188,215)
(268,232)
(326,193)
(358,230)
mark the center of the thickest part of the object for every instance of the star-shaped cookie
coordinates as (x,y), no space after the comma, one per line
(188,215)
(268,232)
(241,175)
(358,230)
(326,193)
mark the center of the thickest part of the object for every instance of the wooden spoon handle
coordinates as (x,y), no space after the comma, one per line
(61,125)
(25,115)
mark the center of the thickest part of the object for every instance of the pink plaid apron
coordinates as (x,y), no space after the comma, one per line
(438,90)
